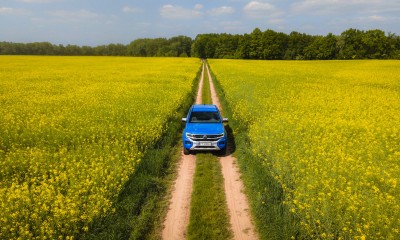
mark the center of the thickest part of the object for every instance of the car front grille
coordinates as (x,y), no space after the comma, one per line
(206,137)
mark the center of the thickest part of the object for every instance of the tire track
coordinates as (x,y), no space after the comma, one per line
(238,206)
(177,220)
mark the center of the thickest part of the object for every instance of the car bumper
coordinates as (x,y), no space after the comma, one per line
(204,145)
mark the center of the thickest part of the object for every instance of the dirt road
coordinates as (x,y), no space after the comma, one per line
(177,219)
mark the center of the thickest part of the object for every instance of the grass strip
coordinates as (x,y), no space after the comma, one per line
(141,205)
(209,213)
(206,94)
(272,218)
(209,217)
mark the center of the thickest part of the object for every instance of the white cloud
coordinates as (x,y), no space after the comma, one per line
(127,9)
(259,6)
(371,19)
(13,11)
(315,7)
(258,9)
(198,6)
(38,1)
(74,15)
(376,18)
(6,10)
(277,21)
(176,12)
(221,11)
(233,26)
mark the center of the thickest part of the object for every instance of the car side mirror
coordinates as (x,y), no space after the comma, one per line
(224,119)
(184,119)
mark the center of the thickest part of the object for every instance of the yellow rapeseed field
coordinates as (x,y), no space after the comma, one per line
(72,130)
(329,133)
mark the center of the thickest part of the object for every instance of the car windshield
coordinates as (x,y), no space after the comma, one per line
(205,117)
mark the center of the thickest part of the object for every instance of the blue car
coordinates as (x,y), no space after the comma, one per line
(204,129)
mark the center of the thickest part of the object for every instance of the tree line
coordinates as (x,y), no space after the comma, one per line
(268,45)
(179,46)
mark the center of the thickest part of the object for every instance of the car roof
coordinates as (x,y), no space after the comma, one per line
(204,108)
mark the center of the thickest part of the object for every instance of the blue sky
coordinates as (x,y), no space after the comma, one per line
(97,22)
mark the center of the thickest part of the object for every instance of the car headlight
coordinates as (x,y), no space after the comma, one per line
(221,135)
(189,135)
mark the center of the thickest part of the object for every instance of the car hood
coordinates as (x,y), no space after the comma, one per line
(205,128)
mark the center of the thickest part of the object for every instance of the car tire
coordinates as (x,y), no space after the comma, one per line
(186,151)
(222,152)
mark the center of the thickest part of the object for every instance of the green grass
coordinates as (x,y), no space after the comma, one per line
(206,94)
(209,214)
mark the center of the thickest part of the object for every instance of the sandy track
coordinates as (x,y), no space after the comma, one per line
(177,219)
(179,210)
(238,206)
(199,99)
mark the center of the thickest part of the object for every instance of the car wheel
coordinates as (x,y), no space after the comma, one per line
(222,152)
(186,151)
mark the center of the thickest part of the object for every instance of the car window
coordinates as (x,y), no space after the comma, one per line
(205,117)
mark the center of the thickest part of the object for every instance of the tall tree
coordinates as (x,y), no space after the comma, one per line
(375,44)
(204,45)
(297,42)
(244,48)
(350,44)
(199,46)
(322,48)
(180,46)
(226,46)
(394,45)
(274,44)
(256,48)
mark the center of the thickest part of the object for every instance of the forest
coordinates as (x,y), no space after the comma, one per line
(267,45)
